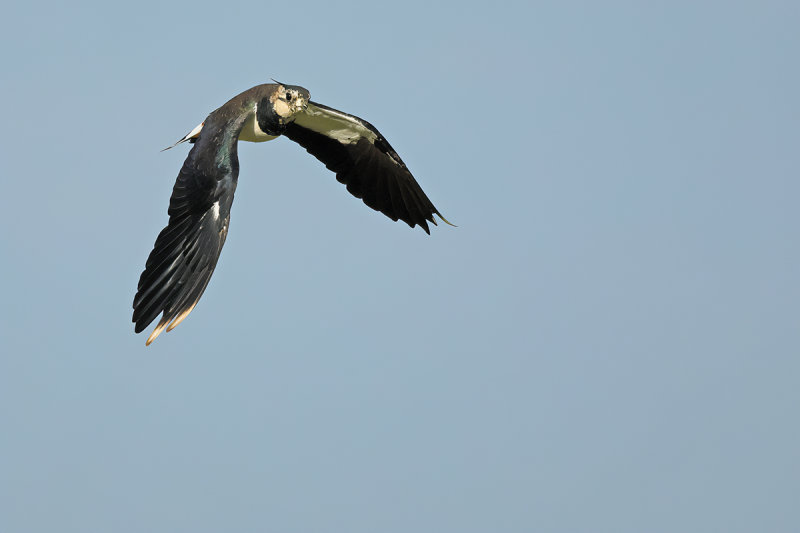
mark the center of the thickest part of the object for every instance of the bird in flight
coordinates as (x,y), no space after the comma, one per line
(187,249)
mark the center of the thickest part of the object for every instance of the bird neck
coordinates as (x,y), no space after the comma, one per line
(269,122)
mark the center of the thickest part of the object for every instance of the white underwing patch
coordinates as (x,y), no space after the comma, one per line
(335,125)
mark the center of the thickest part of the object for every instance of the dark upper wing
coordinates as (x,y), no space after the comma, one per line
(364,161)
(186,251)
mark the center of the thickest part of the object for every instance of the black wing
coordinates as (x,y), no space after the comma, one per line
(186,251)
(364,161)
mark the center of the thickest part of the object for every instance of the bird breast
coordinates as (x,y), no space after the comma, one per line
(251,132)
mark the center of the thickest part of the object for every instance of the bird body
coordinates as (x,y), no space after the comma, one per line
(186,251)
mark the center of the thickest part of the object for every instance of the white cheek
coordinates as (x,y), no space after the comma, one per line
(282,108)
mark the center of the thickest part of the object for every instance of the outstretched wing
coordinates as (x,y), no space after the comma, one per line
(364,161)
(186,251)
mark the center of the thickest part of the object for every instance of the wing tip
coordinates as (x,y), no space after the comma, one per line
(156,332)
(168,323)
(424,223)
(180,318)
(443,219)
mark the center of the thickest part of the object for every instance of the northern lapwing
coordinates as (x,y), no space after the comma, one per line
(186,251)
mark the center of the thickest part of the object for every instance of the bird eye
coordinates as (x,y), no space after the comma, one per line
(288,97)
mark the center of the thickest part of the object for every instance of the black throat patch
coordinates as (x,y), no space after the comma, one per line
(268,120)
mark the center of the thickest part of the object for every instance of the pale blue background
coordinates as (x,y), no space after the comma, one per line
(608,342)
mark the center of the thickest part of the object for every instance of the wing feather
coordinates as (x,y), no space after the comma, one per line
(364,161)
(186,251)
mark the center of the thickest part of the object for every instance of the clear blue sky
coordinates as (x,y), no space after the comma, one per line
(608,342)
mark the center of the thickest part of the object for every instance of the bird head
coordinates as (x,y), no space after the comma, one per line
(288,100)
